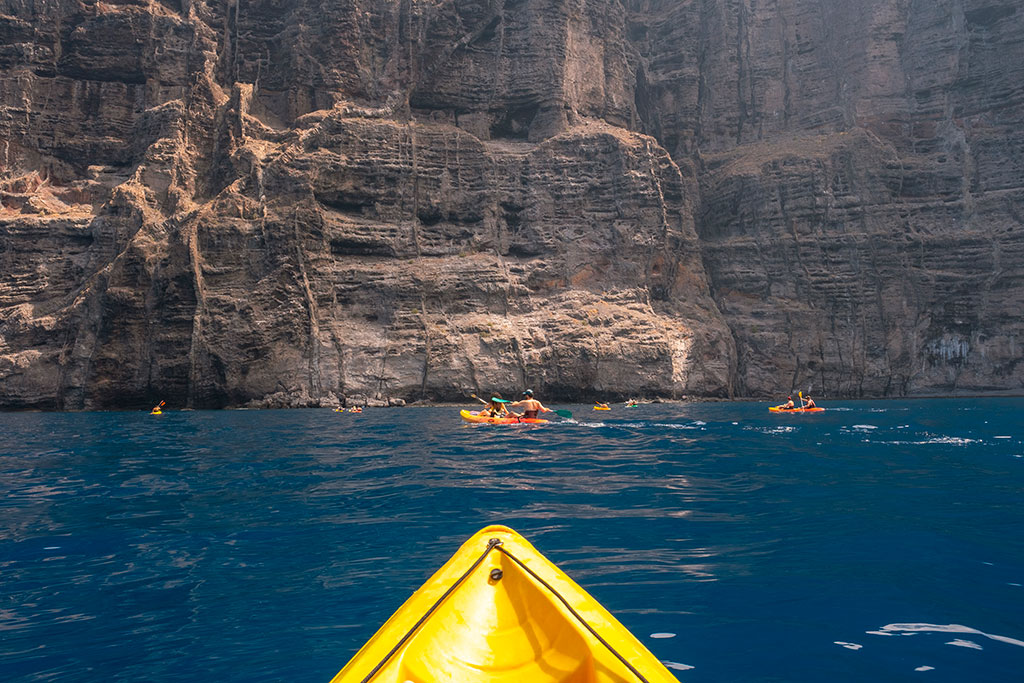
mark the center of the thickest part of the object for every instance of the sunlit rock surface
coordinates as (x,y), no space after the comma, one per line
(262,203)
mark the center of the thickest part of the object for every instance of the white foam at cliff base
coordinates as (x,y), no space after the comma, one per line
(910,629)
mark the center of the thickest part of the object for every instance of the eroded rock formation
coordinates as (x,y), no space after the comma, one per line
(260,203)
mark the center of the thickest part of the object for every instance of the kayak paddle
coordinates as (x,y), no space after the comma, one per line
(561,413)
(496,400)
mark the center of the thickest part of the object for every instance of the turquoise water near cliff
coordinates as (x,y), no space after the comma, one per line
(879,541)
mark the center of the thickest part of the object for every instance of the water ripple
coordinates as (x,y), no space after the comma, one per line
(268,546)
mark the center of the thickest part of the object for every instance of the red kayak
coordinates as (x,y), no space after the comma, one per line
(485,418)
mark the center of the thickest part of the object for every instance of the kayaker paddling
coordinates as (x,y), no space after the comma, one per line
(807,402)
(495,407)
(531,406)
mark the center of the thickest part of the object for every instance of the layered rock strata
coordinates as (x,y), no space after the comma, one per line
(862,184)
(255,203)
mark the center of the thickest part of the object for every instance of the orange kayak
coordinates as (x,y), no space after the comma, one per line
(777,409)
(487,419)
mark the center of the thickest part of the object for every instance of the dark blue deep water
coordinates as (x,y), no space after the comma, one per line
(879,541)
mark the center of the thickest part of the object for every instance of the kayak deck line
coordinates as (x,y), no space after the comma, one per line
(512,622)
(496,544)
(571,610)
(490,545)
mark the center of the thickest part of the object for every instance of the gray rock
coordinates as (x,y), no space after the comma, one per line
(233,205)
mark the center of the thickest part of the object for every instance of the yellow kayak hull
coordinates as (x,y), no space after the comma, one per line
(500,623)
(487,419)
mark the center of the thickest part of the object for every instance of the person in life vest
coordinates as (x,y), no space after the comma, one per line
(496,407)
(531,406)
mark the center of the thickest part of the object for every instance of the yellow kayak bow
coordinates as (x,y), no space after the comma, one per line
(500,612)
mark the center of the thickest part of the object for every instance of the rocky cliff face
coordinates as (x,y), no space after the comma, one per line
(861,171)
(299,203)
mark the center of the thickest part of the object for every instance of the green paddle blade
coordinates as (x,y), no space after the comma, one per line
(499,400)
(563,413)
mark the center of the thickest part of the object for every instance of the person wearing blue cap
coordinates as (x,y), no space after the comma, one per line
(531,406)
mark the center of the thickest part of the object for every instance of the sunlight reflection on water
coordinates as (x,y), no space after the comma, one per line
(243,546)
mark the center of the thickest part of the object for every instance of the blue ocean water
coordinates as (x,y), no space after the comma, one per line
(878,541)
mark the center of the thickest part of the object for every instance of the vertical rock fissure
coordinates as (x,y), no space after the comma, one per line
(787,72)
(425,323)
(414,221)
(312,314)
(195,261)
(742,69)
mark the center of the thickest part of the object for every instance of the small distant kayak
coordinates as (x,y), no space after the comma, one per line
(777,409)
(156,412)
(487,419)
(500,612)
(601,408)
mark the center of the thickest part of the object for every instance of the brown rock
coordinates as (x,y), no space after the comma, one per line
(266,204)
